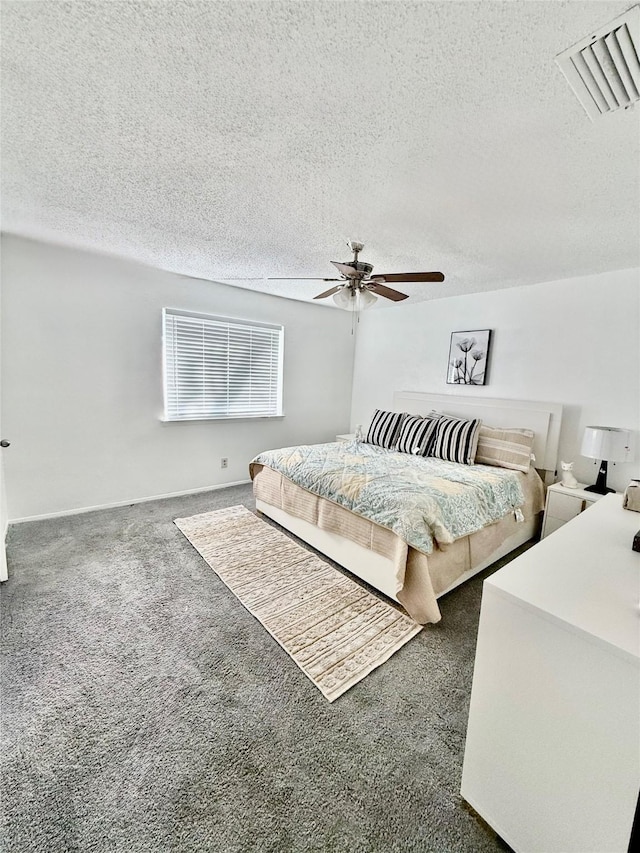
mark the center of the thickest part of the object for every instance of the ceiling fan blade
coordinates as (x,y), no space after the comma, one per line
(345,269)
(387,292)
(329,292)
(224,278)
(399,277)
(300,278)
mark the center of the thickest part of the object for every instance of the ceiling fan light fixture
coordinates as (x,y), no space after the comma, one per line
(367,299)
(344,298)
(351,299)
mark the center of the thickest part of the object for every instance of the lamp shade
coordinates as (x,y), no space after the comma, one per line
(608,443)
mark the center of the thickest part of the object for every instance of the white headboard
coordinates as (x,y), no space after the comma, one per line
(544,419)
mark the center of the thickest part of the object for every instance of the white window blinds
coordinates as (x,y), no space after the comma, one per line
(216,367)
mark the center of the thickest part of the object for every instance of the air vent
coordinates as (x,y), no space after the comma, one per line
(603,69)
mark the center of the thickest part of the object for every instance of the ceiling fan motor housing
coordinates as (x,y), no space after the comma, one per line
(360,269)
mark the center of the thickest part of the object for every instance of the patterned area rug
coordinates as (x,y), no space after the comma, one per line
(334,629)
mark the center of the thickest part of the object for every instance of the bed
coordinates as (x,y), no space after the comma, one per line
(413,573)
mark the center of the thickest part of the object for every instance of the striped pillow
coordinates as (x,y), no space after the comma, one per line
(455,439)
(506,448)
(384,427)
(416,434)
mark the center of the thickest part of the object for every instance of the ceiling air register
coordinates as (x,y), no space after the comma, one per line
(604,68)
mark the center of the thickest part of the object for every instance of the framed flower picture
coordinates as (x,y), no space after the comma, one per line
(468,357)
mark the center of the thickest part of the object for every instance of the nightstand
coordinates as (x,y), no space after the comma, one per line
(563,504)
(346,436)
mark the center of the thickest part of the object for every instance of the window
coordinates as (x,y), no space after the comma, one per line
(216,367)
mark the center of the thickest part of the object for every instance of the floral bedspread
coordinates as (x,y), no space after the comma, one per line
(421,499)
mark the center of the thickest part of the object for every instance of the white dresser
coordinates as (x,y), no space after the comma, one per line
(552,758)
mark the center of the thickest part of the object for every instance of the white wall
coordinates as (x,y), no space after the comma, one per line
(82,381)
(3,492)
(82,390)
(574,341)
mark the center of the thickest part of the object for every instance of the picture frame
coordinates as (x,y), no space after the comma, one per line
(469,357)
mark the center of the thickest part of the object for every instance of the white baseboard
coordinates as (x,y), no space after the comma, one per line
(126,503)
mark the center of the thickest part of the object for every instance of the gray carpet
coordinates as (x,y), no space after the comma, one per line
(143,709)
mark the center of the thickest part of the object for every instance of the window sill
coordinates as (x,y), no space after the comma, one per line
(221,418)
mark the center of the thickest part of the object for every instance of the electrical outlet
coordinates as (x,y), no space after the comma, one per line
(224,462)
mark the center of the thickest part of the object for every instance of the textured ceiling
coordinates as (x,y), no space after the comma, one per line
(227,139)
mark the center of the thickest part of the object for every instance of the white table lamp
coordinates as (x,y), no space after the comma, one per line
(608,444)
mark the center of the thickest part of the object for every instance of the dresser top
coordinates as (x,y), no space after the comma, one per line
(584,575)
